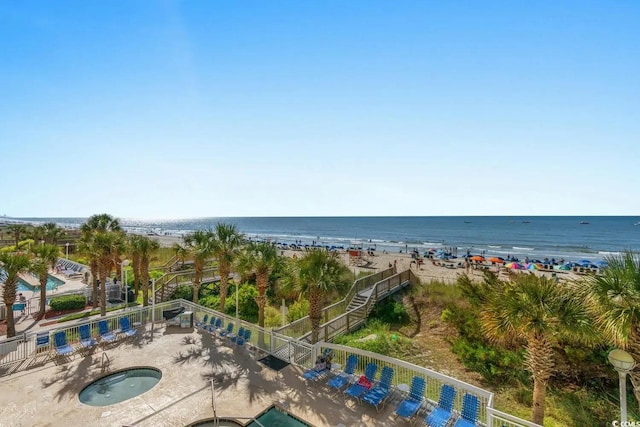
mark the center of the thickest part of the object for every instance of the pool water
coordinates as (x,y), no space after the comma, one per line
(275,417)
(52,283)
(120,386)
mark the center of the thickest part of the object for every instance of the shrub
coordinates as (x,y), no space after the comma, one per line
(272,317)
(298,310)
(391,311)
(210,301)
(247,306)
(67,302)
(183,291)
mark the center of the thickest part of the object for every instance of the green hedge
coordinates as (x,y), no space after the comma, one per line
(67,302)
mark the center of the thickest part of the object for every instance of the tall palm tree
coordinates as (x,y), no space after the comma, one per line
(181,253)
(613,299)
(17,230)
(317,275)
(133,247)
(96,224)
(146,248)
(107,245)
(52,233)
(534,311)
(200,248)
(261,259)
(46,257)
(226,245)
(13,264)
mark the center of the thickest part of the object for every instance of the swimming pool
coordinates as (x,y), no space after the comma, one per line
(276,417)
(52,283)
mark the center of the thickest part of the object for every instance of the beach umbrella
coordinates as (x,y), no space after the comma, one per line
(601,264)
(514,266)
(562,267)
(532,266)
(497,260)
(584,261)
(477,258)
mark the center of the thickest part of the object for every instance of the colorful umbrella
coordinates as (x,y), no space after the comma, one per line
(497,260)
(532,266)
(514,266)
(477,258)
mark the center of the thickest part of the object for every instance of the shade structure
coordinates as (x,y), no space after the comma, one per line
(584,261)
(497,260)
(601,264)
(514,266)
(477,258)
(533,266)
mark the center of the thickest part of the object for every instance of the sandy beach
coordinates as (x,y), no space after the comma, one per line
(427,271)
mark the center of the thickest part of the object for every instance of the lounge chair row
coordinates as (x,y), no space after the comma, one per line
(86,341)
(215,325)
(375,393)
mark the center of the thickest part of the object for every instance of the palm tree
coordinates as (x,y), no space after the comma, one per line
(535,312)
(261,259)
(181,253)
(52,233)
(13,264)
(613,299)
(17,230)
(145,248)
(134,251)
(317,275)
(200,248)
(226,244)
(107,246)
(46,257)
(96,224)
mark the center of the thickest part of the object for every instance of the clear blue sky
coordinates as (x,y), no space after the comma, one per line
(169,109)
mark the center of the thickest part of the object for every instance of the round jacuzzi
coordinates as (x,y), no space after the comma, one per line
(120,386)
(220,422)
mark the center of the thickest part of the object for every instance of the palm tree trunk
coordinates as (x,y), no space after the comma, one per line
(261,299)
(104,270)
(315,314)
(135,265)
(540,363)
(224,285)
(11,323)
(43,295)
(144,271)
(196,282)
(93,266)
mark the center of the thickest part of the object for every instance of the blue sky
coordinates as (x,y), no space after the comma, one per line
(174,109)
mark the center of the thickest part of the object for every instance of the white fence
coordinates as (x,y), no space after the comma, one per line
(17,354)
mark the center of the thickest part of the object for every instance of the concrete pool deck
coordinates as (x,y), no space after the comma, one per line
(46,394)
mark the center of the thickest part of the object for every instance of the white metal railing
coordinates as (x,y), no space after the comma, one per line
(15,351)
(502,419)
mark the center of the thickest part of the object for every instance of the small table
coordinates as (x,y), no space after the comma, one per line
(403,391)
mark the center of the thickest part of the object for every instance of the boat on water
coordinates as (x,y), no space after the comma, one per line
(583,222)
(637,223)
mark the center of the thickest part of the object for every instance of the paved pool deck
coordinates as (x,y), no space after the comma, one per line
(46,393)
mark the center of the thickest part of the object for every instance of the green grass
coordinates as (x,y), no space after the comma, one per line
(94,312)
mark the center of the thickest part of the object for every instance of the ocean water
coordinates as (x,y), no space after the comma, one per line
(571,238)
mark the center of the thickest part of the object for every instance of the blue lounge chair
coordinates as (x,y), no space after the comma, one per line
(377,396)
(322,368)
(60,343)
(442,413)
(212,324)
(106,336)
(225,332)
(339,381)
(204,321)
(87,342)
(358,389)
(408,408)
(43,345)
(469,414)
(217,325)
(125,327)
(234,338)
(244,338)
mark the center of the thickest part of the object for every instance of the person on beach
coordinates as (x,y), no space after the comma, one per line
(23,301)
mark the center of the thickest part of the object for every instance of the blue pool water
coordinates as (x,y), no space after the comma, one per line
(52,283)
(120,386)
(275,417)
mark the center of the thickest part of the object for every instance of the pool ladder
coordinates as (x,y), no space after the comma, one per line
(105,366)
